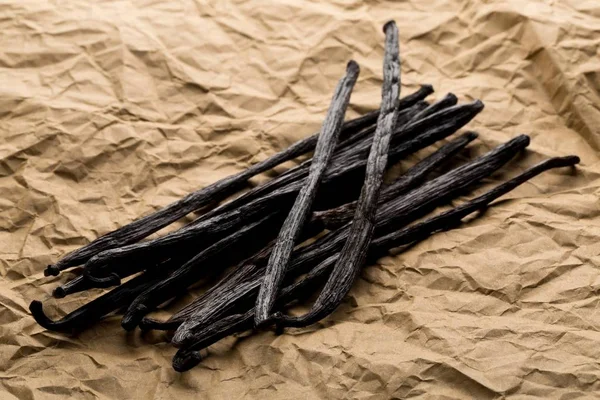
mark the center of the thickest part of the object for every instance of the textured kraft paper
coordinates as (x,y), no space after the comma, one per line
(112,109)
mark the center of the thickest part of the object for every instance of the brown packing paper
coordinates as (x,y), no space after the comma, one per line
(112,109)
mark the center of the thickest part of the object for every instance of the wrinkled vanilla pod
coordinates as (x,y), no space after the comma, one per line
(390,216)
(416,135)
(215,192)
(354,252)
(414,176)
(187,356)
(450,218)
(363,224)
(293,224)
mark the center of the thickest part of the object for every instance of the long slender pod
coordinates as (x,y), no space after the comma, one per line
(292,226)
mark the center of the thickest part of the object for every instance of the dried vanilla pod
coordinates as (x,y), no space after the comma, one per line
(362,227)
(293,224)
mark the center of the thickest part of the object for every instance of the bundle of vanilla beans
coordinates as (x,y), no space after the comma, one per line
(338,197)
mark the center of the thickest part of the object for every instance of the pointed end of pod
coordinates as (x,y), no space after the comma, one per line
(184,361)
(427,89)
(451,98)
(567,161)
(523,140)
(572,160)
(133,317)
(352,67)
(470,136)
(59,293)
(478,105)
(52,270)
(391,24)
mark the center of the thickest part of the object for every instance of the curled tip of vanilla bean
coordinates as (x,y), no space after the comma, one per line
(478,105)
(37,311)
(133,317)
(427,88)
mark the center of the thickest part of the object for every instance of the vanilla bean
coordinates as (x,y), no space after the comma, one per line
(363,224)
(391,215)
(293,224)
(188,356)
(449,218)
(96,309)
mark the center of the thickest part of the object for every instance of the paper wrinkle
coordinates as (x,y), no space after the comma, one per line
(111,110)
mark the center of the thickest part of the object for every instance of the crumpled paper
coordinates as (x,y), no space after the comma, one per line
(113,109)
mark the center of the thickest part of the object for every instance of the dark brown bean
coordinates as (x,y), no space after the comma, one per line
(293,224)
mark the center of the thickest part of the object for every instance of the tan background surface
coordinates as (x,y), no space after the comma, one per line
(113,108)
